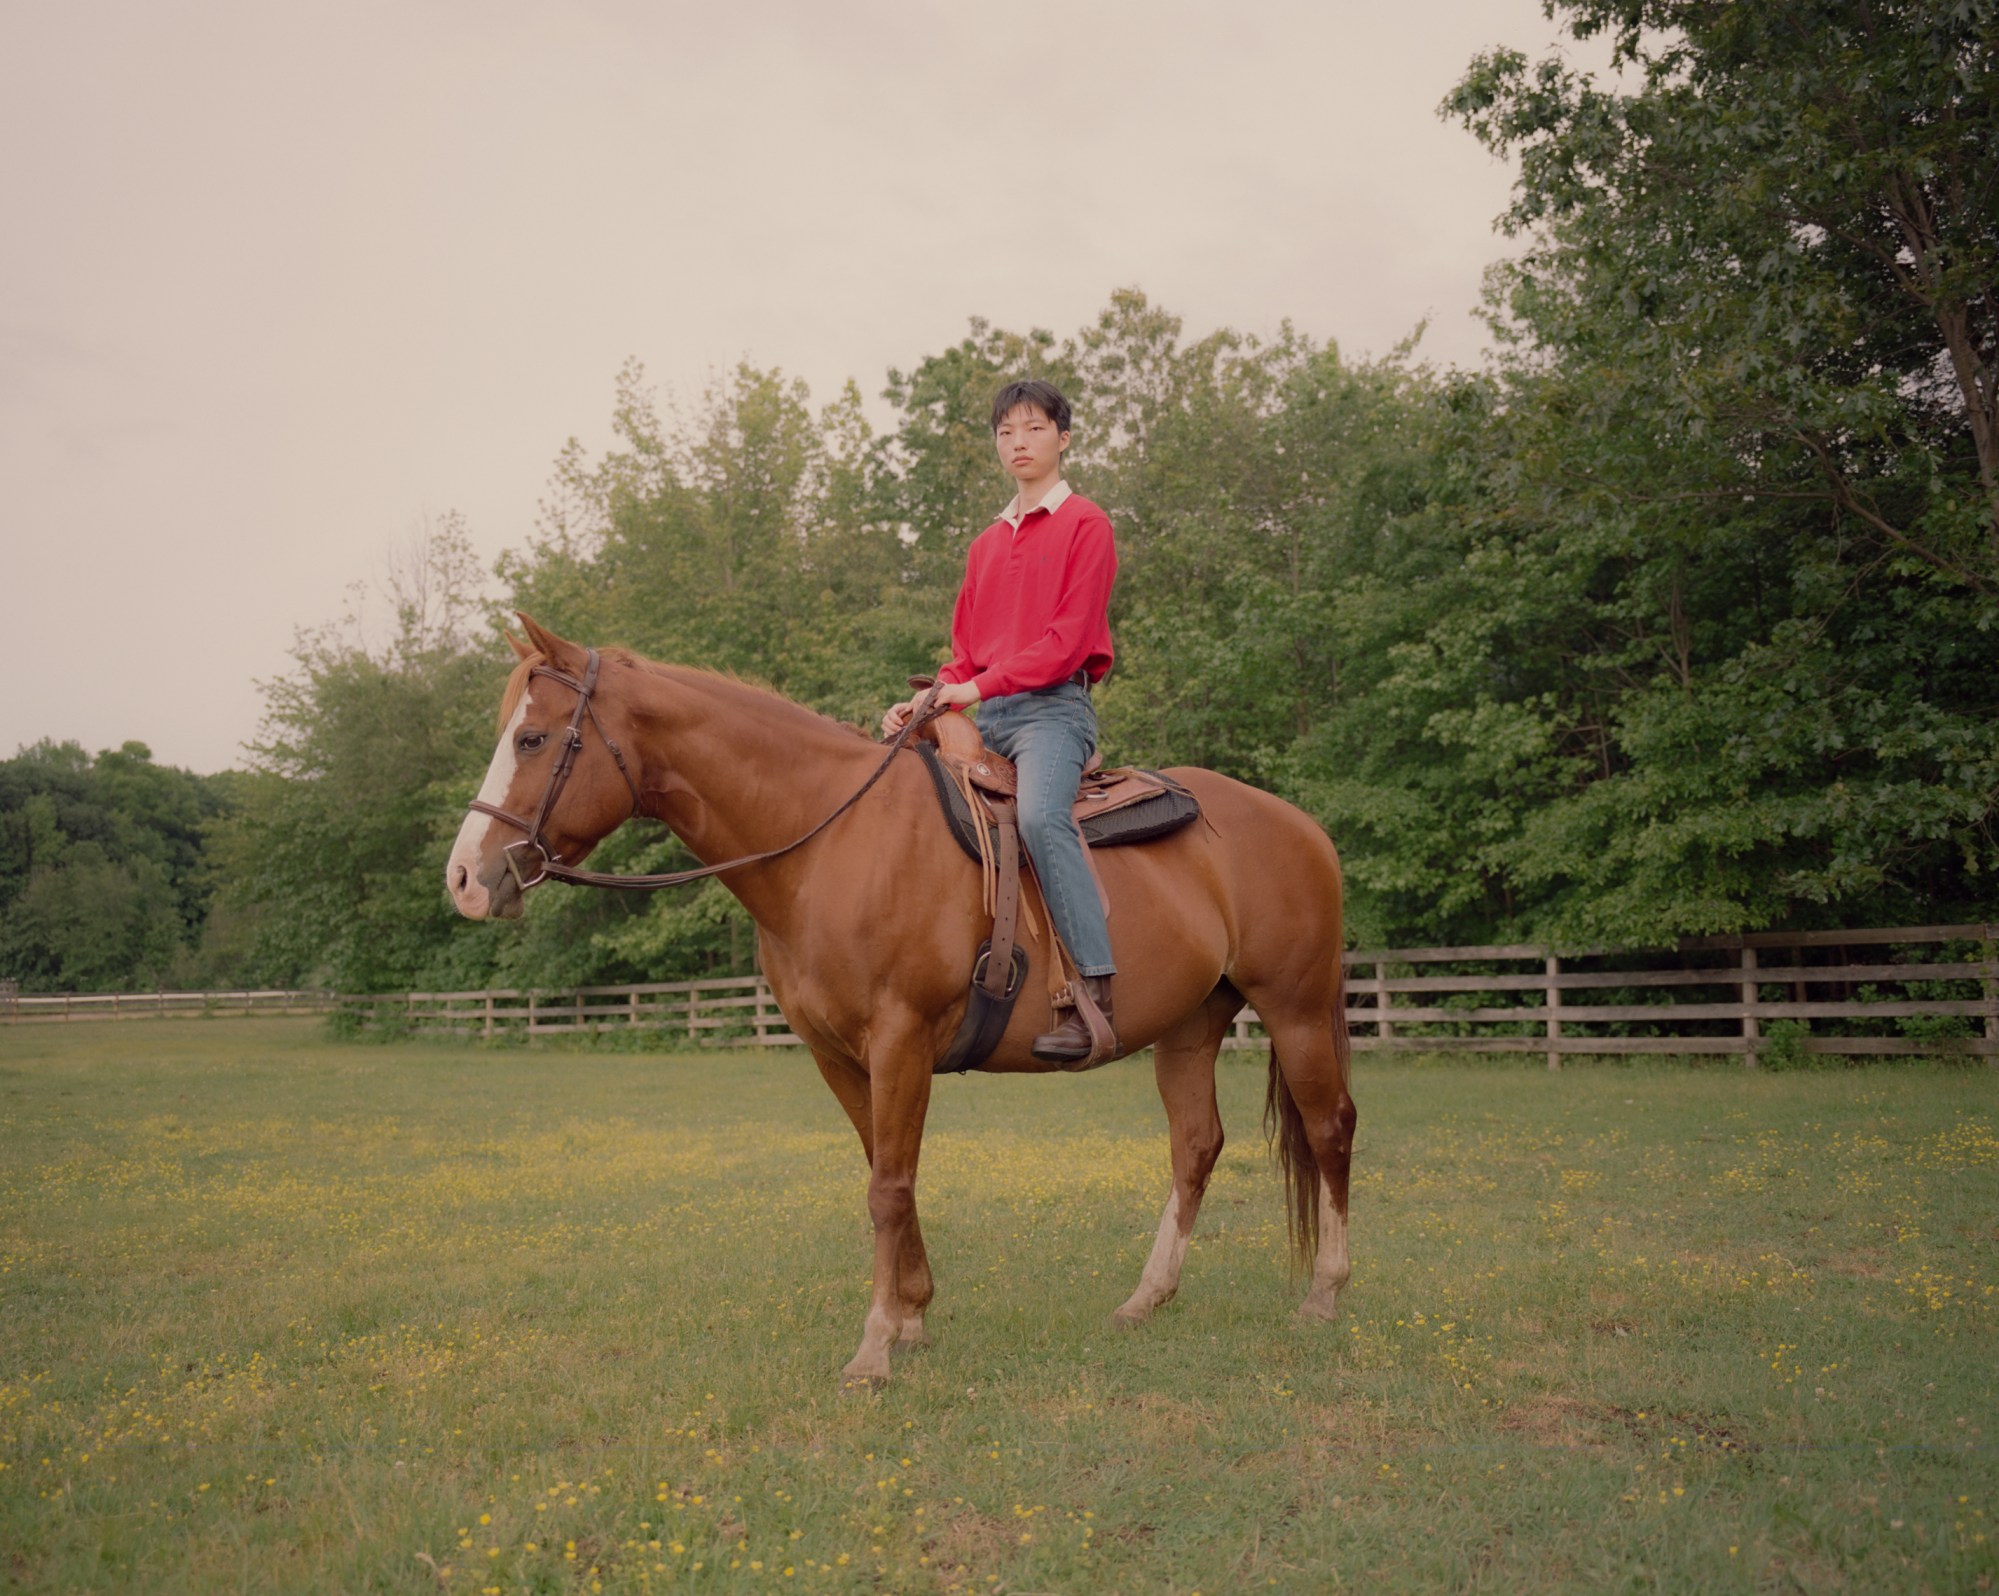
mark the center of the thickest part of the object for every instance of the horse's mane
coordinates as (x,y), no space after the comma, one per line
(517,686)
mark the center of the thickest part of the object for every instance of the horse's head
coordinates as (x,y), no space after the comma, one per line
(555,787)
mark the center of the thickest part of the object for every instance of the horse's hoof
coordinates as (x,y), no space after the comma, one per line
(1323,1309)
(862,1384)
(1130,1318)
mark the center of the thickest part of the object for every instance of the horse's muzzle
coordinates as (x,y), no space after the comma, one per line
(478,899)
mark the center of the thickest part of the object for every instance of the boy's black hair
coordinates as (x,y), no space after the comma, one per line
(1044,396)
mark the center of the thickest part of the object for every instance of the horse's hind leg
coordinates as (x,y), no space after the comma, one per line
(914,1285)
(1184,1065)
(1315,1126)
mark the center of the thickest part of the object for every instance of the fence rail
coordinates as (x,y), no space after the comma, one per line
(736,1011)
(36,1007)
(1864,992)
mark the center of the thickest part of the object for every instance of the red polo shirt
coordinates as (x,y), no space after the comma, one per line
(1035,605)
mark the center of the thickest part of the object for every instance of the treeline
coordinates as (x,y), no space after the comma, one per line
(1679,618)
(107,871)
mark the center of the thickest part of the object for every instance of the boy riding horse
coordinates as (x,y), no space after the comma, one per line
(1030,636)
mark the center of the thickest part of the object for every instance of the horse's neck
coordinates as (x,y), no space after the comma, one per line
(735,771)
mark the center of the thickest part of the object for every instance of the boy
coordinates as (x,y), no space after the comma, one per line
(1030,636)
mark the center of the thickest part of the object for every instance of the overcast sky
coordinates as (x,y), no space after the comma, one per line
(277,281)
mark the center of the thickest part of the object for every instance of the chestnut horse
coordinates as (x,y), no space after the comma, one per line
(868,933)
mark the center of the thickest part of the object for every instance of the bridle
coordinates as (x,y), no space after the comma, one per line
(548,865)
(572,744)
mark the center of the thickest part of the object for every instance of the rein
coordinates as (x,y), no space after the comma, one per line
(550,865)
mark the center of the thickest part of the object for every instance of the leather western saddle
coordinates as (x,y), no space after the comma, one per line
(978,789)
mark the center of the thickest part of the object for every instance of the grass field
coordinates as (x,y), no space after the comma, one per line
(281,1314)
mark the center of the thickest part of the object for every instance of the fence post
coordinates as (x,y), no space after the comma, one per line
(693,1008)
(533,1002)
(1382,1027)
(1992,991)
(1552,969)
(1752,1027)
(488,1031)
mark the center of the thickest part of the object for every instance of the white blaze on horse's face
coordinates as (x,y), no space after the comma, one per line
(466,875)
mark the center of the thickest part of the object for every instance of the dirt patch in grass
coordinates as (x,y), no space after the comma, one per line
(1163,1419)
(973,1540)
(1556,1421)
(1570,1424)
(1715,1434)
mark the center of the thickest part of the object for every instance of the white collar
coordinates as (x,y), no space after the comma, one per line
(1057,495)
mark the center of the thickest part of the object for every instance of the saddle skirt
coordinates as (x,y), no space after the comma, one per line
(1112,807)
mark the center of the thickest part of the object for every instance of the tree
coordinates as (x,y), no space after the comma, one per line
(368,751)
(1786,236)
(1726,609)
(102,878)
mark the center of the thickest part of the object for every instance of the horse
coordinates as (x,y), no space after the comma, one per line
(868,934)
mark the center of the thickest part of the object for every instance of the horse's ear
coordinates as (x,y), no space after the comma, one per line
(521,650)
(559,652)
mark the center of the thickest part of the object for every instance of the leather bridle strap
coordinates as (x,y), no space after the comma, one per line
(551,867)
(565,764)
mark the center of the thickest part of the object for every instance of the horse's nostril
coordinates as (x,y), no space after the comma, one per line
(459,877)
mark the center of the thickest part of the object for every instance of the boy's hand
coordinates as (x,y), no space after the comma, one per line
(954,695)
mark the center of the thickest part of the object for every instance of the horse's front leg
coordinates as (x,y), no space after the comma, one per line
(899,1082)
(914,1286)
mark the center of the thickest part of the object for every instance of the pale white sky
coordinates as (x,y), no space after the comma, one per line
(277,281)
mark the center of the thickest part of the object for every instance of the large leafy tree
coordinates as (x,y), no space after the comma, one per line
(1782,243)
(1718,654)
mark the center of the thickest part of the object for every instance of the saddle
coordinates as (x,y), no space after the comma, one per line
(1115,807)
(977,789)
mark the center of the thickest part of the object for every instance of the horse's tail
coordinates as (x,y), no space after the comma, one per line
(1296,1163)
(1284,1125)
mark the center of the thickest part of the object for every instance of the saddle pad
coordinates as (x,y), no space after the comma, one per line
(1140,822)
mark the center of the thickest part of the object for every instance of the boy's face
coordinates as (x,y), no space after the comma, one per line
(1029,446)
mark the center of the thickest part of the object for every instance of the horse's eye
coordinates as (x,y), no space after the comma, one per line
(530,742)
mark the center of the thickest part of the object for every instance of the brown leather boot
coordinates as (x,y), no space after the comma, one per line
(1069,1042)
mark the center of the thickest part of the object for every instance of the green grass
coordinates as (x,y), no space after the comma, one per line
(280,1314)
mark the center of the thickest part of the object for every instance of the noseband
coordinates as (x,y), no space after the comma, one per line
(549,865)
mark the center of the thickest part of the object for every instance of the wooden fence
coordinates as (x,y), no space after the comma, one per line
(1846,992)
(1842,992)
(31,1007)
(738,1011)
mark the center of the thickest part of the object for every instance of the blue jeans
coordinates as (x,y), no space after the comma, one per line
(1049,736)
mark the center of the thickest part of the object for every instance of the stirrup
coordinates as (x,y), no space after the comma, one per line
(1099,1037)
